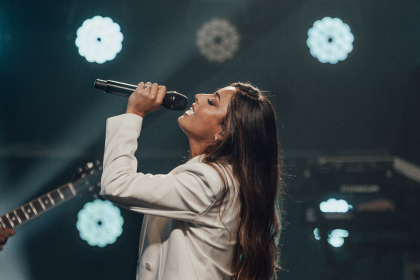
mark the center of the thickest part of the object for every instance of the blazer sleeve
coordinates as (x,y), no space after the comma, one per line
(185,194)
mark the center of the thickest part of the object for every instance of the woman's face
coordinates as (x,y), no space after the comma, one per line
(203,121)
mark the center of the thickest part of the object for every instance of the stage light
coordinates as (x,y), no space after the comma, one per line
(339,233)
(330,40)
(336,241)
(316,234)
(336,237)
(218,40)
(99,223)
(99,39)
(333,205)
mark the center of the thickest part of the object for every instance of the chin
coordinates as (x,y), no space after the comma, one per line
(186,126)
(180,121)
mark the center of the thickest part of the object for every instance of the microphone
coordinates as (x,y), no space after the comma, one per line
(173,100)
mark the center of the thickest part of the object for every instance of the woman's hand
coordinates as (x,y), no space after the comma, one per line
(146,98)
(4,235)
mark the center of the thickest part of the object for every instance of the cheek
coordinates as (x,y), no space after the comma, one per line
(199,127)
(187,124)
(207,122)
(182,121)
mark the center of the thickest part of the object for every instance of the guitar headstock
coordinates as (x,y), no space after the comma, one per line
(87,180)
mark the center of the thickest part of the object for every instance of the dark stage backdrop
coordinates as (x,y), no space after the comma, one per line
(52,120)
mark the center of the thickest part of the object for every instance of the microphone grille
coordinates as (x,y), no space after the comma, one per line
(175,101)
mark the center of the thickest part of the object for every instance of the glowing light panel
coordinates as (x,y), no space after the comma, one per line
(217,40)
(336,241)
(99,39)
(335,237)
(333,205)
(339,233)
(99,223)
(316,234)
(330,40)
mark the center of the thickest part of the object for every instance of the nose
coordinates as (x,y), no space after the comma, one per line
(200,96)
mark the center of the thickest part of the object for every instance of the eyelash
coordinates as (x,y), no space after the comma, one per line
(210,102)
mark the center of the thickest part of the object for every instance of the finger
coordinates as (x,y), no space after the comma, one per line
(154,90)
(140,87)
(146,90)
(3,234)
(10,231)
(161,94)
(148,85)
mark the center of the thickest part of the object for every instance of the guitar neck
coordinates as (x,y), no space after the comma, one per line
(38,206)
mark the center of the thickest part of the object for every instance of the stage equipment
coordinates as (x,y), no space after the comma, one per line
(330,40)
(218,40)
(99,39)
(366,193)
(375,201)
(99,223)
(173,100)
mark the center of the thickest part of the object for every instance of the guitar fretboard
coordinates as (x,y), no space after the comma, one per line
(37,206)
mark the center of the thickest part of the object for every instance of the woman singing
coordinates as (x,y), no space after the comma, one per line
(216,216)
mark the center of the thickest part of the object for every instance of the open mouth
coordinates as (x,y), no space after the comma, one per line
(190,112)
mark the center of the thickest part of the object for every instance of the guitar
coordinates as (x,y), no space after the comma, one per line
(86,181)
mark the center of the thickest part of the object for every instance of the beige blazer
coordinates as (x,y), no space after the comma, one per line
(182,236)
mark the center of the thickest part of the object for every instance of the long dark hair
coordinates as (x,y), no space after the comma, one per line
(250,146)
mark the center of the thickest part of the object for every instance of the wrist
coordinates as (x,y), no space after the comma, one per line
(136,112)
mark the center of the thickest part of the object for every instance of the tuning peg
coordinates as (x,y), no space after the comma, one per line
(89,165)
(99,164)
(77,175)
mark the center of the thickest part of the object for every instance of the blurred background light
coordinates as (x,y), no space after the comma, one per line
(316,234)
(99,39)
(99,223)
(339,233)
(335,237)
(333,205)
(218,40)
(336,241)
(330,40)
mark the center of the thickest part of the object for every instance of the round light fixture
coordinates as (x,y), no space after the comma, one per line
(330,40)
(99,39)
(99,223)
(218,40)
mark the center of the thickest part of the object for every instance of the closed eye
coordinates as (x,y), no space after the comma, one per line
(210,102)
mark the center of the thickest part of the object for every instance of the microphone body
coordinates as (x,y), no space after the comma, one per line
(173,100)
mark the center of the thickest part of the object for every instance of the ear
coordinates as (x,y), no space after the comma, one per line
(219,136)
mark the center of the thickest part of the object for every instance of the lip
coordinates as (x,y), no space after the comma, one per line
(190,112)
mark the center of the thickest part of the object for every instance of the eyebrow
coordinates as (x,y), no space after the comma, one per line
(218,95)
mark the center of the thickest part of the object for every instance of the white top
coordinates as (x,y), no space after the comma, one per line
(182,237)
